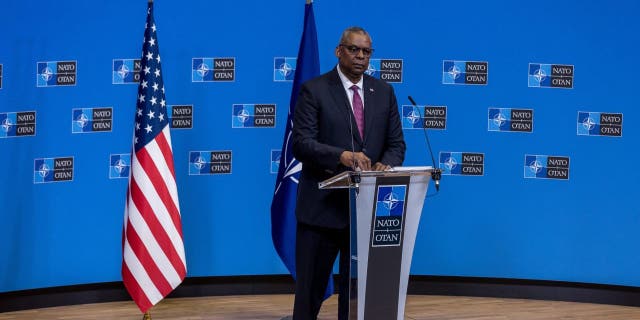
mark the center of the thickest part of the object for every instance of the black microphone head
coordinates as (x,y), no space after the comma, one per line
(436,175)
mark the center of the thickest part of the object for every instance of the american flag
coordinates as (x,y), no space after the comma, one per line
(153,261)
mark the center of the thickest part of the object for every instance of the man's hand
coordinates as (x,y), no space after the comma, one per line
(381,167)
(360,160)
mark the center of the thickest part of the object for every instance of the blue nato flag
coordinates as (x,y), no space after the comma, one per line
(283,206)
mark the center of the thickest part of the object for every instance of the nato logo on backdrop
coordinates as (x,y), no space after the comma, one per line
(284,68)
(275,160)
(47,170)
(119,165)
(510,120)
(210,162)
(91,120)
(599,124)
(462,163)
(550,75)
(389,70)
(253,116)
(56,73)
(17,124)
(546,167)
(465,72)
(213,69)
(125,71)
(180,116)
(424,117)
(389,214)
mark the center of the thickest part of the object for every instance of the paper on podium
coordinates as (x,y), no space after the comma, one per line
(416,168)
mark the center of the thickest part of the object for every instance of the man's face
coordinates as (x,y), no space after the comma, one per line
(353,55)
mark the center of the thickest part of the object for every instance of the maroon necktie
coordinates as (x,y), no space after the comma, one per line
(358,110)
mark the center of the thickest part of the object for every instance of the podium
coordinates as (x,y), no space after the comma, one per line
(385,208)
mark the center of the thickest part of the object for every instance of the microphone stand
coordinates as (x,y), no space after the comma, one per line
(436,174)
(355,173)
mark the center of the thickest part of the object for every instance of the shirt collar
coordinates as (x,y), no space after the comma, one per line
(347,83)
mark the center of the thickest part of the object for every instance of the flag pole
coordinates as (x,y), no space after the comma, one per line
(147,315)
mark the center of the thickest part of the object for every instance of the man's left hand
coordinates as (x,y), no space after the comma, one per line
(380,167)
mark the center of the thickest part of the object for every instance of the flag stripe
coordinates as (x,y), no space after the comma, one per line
(165,209)
(134,289)
(161,155)
(148,262)
(148,159)
(166,238)
(140,278)
(164,142)
(157,242)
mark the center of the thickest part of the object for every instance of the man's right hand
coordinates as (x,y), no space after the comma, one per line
(359,159)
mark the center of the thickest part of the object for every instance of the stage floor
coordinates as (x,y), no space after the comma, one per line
(275,307)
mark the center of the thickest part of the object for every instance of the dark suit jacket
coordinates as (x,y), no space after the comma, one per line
(321,132)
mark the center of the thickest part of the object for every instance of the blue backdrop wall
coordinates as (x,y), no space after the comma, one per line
(570,216)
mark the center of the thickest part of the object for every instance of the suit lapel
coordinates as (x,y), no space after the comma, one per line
(369,106)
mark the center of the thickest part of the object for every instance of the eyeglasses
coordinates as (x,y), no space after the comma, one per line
(353,50)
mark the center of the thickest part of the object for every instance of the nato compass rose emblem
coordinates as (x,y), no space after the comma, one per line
(120,165)
(499,119)
(6,124)
(450,163)
(588,123)
(285,69)
(199,163)
(413,116)
(203,70)
(391,200)
(535,166)
(539,75)
(43,171)
(123,71)
(292,168)
(243,115)
(46,74)
(454,72)
(82,120)
(370,70)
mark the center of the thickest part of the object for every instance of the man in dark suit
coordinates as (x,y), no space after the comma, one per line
(344,120)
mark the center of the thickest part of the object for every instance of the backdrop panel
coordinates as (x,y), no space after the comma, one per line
(531,109)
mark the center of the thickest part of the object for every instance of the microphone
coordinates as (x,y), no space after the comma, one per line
(355,177)
(437,172)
